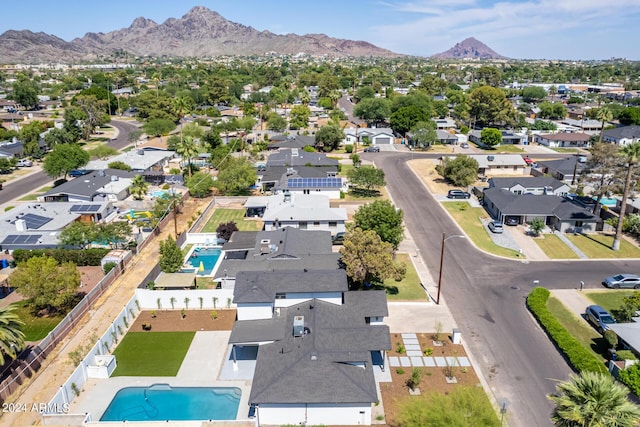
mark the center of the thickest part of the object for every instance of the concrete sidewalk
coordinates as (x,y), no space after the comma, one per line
(573,299)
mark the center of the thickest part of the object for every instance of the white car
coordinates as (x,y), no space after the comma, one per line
(24,163)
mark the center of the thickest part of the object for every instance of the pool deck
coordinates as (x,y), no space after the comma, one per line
(201,367)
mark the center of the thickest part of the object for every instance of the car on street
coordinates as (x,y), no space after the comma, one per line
(599,317)
(458,194)
(495,226)
(622,281)
(372,149)
(24,163)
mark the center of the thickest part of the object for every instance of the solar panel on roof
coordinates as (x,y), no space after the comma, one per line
(314,182)
(84,208)
(18,239)
(33,221)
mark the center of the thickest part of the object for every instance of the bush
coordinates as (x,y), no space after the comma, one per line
(580,358)
(631,378)
(348,148)
(108,267)
(399,371)
(82,258)
(626,355)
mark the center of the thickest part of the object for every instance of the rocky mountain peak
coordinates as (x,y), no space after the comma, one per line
(469,48)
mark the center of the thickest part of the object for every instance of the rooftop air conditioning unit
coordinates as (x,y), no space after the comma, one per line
(298,326)
(491,158)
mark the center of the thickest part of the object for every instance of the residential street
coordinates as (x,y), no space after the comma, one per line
(486,295)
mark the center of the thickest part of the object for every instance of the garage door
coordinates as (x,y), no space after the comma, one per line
(383,141)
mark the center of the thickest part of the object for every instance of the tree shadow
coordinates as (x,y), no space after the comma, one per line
(600,346)
(363,192)
(594,240)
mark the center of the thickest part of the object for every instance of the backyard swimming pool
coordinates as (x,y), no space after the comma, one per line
(161,402)
(207,256)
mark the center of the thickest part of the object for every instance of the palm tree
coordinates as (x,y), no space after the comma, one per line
(604,114)
(11,335)
(188,149)
(139,187)
(180,106)
(593,399)
(630,155)
(156,78)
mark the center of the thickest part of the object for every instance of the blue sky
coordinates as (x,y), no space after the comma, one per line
(551,29)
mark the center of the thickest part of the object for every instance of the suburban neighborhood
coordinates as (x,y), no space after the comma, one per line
(339,237)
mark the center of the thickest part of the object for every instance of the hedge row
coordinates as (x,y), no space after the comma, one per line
(580,358)
(82,258)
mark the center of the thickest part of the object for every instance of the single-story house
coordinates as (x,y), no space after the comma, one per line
(563,139)
(294,157)
(589,126)
(303,327)
(139,160)
(508,137)
(565,169)
(444,124)
(97,186)
(287,248)
(622,136)
(297,141)
(559,213)
(444,137)
(531,185)
(38,225)
(304,211)
(374,135)
(272,176)
(500,164)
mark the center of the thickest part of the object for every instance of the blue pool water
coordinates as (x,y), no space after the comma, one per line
(208,257)
(161,402)
(606,201)
(159,193)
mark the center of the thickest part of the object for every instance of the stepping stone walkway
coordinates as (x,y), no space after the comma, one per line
(415,356)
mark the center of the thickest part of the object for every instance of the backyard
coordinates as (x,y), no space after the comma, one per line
(35,328)
(224,215)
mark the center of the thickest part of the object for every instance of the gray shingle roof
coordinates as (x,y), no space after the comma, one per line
(262,286)
(320,367)
(295,157)
(543,205)
(368,303)
(299,141)
(89,184)
(526,181)
(564,166)
(278,173)
(629,132)
(252,331)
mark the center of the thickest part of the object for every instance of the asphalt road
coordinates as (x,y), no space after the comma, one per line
(486,295)
(17,189)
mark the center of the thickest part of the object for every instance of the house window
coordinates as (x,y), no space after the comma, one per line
(579,223)
(303,225)
(281,295)
(306,191)
(515,168)
(333,224)
(316,223)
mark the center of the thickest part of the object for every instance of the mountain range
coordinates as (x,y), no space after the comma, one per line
(201,32)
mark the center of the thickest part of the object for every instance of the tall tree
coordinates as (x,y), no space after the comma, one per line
(630,155)
(367,258)
(47,285)
(491,137)
(25,93)
(461,171)
(93,114)
(171,258)
(299,116)
(11,334)
(382,217)
(329,137)
(423,134)
(367,177)
(200,184)
(593,399)
(404,118)
(181,106)
(490,106)
(372,110)
(188,149)
(235,178)
(604,114)
(63,159)
(601,170)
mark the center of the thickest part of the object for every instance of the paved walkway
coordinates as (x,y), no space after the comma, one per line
(415,356)
(573,299)
(529,247)
(571,246)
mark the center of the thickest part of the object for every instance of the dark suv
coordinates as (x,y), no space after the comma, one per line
(458,194)
(372,149)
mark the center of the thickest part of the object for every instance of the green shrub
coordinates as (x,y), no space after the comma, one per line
(348,148)
(631,378)
(626,355)
(399,371)
(400,349)
(81,258)
(107,267)
(579,357)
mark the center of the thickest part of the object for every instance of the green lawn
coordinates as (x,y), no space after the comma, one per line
(554,247)
(610,299)
(35,328)
(221,216)
(150,354)
(505,149)
(34,196)
(599,246)
(468,219)
(565,150)
(580,330)
(408,289)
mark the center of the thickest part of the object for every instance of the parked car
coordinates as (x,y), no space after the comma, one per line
(464,145)
(511,220)
(599,317)
(622,281)
(458,194)
(24,163)
(372,149)
(78,172)
(495,226)
(338,239)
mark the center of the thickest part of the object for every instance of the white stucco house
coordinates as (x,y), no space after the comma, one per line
(374,135)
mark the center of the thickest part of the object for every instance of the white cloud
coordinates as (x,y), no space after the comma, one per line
(434,26)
